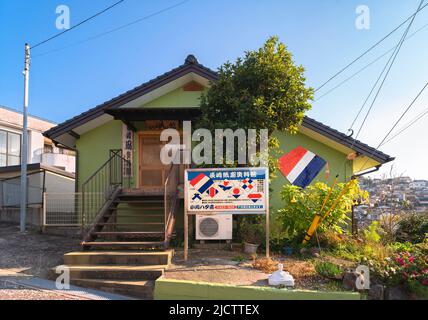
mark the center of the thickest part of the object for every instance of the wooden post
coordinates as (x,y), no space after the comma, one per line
(267,228)
(267,216)
(186,234)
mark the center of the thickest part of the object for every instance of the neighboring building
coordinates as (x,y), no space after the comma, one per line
(50,168)
(418,184)
(130,125)
(40,149)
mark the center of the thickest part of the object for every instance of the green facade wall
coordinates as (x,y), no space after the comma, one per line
(177,98)
(337,162)
(94,148)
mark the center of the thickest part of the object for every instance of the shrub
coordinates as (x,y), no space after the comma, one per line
(301,205)
(239,258)
(389,224)
(371,233)
(402,267)
(418,289)
(372,247)
(328,270)
(413,227)
(342,245)
(252,231)
(400,247)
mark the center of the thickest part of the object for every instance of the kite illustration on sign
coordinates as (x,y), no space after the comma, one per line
(212,192)
(301,166)
(247,184)
(236,193)
(197,196)
(254,197)
(201,182)
(225,185)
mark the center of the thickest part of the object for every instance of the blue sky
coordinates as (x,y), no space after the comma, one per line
(321,35)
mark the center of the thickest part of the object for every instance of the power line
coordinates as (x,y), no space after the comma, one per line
(403,114)
(369,49)
(393,56)
(79,24)
(115,29)
(407,126)
(368,65)
(391,59)
(395,124)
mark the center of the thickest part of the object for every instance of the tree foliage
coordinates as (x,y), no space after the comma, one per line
(264,89)
(413,227)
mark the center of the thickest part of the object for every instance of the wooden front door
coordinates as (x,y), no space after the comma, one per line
(151,170)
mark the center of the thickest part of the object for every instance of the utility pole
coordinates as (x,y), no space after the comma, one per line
(24,148)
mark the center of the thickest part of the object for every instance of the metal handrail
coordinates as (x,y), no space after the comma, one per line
(170,200)
(99,187)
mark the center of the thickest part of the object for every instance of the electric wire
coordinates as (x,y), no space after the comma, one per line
(407,126)
(114,29)
(79,24)
(395,124)
(366,66)
(393,56)
(369,49)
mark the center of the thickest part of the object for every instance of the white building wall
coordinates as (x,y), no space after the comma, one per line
(11,120)
(35,146)
(65,161)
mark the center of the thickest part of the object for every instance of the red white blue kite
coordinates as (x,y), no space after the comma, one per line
(301,166)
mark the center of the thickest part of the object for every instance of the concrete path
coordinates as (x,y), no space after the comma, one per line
(19,282)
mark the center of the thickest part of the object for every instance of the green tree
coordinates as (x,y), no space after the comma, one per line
(262,90)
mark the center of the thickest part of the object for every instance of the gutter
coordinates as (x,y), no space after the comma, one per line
(367,172)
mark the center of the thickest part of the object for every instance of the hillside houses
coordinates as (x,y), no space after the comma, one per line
(392,196)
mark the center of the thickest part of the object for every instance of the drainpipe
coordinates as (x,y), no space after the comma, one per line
(354,228)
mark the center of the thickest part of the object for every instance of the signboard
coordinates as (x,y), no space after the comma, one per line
(128,149)
(231,190)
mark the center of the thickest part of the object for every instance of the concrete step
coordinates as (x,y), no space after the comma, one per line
(130,234)
(123,245)
(136,224)
(115,272)
(128,258)
(141,289)
(140,209)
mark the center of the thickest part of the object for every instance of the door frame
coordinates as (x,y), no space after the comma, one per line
(141,135)
(147,133)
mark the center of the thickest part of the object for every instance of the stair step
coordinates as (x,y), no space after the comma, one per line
(143,234)
(129,224)
(136,208)
(141,289)
(141,215)
(135,201)
(124,245)
(139,195)
(115,272)
(119,258)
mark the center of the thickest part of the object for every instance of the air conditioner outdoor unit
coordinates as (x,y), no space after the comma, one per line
(214,227)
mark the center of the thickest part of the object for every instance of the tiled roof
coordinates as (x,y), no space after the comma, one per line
(192,65)
(346,140)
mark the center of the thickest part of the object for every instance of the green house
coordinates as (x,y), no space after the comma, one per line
(129,196)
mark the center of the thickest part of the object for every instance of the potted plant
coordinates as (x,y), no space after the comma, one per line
(252,234)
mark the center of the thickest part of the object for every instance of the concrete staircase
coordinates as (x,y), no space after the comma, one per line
(130,273)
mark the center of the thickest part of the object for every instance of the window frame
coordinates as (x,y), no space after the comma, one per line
(7,154)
